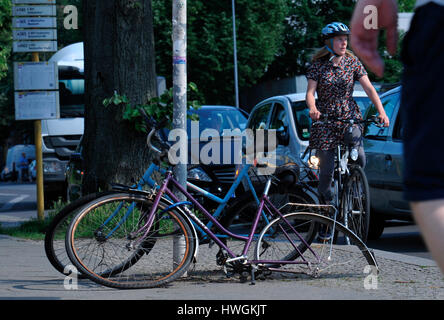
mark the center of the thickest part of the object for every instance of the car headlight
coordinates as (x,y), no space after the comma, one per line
(53,167)
(354,154)
(198,174)
(313,162)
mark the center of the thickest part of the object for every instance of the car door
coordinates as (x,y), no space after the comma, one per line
(393,183)
(375,145)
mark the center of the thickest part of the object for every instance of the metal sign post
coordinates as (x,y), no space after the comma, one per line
(29,16)
(39,160)
(180,103)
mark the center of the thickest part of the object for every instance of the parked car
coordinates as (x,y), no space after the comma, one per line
(289,114)
(291,110)
(383,148)
(10,171)
(215,177)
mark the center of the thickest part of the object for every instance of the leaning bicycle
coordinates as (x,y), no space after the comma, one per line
(157,242)
(235,216)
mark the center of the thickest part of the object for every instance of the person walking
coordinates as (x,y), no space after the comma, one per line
(421,104)
(23,168)
(332,75)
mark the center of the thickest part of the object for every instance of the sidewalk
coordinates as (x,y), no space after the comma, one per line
(25,273)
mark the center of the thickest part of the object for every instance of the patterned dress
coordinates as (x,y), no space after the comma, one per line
(335,99)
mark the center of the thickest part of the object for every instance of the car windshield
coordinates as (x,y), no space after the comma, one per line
(303,121)
(72,92)
(219,119)
(363,103)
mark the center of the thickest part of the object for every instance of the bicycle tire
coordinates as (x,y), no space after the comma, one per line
(119,261)
(54,242)
(355,203)
(334,260)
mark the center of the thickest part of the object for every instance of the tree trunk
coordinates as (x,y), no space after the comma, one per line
(119,56)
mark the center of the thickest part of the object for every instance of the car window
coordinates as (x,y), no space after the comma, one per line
(302,119)
(389,103)
(260,117)
(363,103)
(279,117)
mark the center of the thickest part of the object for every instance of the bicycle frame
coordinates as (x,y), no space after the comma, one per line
(264,204)
(147,180)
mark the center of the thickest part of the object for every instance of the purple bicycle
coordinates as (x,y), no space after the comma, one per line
(155,241)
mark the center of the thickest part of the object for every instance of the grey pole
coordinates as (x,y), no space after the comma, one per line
(180,104)
(235,54)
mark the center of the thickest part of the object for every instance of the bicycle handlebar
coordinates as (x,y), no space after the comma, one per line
(373,119)
(148,141)
(155,126)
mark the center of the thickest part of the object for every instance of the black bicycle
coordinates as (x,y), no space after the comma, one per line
(351,203)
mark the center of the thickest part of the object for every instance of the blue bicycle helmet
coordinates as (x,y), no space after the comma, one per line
(332,30)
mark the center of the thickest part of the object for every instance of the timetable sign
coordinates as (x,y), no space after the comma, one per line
(35,76)
(37,105)
(27,11)
(34,22)
(33,1)
(34,34)
(34,46)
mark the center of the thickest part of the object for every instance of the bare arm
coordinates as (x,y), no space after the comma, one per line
(310,99)
(374,97)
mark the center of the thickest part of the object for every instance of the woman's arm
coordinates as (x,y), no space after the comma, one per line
(374,97)
(310,99)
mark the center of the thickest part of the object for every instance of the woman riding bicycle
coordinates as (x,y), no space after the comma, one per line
(332,75)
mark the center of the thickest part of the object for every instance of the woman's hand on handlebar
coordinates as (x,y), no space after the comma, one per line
(384,120)
(314,114)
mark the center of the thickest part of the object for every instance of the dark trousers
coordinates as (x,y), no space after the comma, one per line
(327,162)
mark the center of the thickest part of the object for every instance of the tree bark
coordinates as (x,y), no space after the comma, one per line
(119,56)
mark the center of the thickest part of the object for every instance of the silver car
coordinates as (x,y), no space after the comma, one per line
(383,148)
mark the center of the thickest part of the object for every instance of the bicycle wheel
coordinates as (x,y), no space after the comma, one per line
(55,234)
(355,203)
(320,257)
(102,242)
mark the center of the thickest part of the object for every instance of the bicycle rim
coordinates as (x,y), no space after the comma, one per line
(321,258)
(102,242)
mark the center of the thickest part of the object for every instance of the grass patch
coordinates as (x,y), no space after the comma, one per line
(34,229)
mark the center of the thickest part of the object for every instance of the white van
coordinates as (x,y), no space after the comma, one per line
(10,171)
